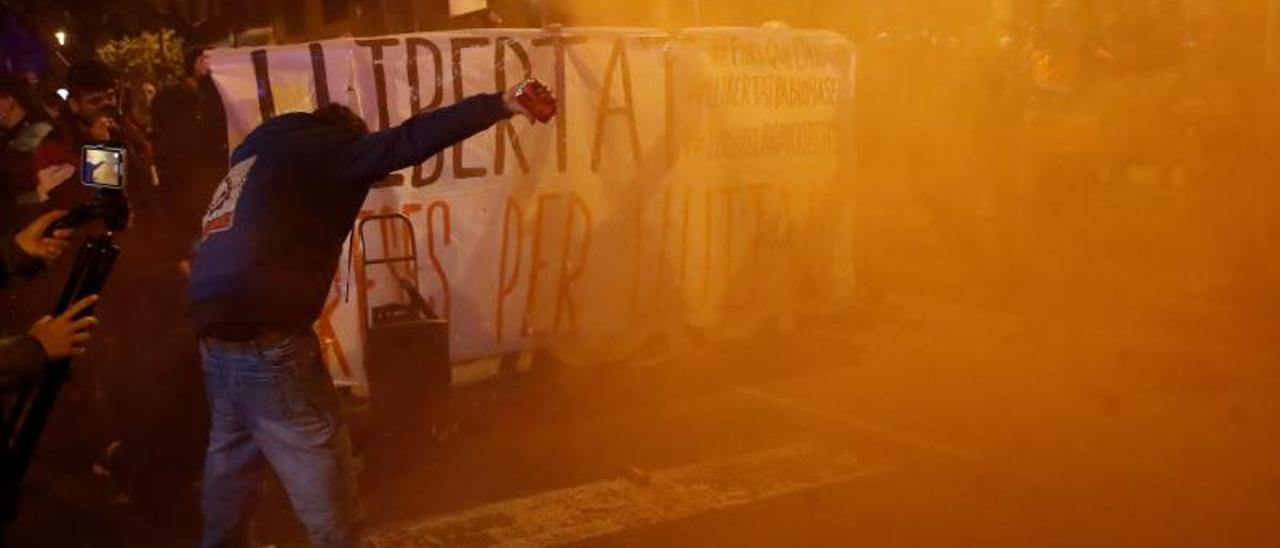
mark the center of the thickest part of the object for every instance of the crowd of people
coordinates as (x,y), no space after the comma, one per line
(227,262)
(143,376)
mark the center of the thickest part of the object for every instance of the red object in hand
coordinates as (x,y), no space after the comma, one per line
(536,99)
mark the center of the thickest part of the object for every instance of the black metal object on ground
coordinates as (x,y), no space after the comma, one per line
(407,352)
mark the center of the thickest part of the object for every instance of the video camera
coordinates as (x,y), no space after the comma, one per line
(102,167)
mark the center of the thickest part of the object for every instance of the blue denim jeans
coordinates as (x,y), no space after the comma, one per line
(271,401)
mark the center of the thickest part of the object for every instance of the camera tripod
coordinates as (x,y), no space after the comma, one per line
(25,419)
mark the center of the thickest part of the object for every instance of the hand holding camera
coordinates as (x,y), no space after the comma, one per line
(104,128)
(38,241)
(102,167)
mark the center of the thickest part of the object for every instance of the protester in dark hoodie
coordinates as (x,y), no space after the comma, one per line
(272,237)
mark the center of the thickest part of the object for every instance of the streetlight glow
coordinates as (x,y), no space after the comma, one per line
(61,36)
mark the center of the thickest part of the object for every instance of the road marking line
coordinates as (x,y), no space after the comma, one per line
(612,506)
(859,424)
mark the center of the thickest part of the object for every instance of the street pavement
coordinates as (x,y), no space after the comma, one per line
(933,424)
(921,421)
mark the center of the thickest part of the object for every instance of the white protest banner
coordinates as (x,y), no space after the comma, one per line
(757,121)
(688,181)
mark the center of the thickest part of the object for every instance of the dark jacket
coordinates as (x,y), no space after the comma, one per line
(62,146)
(191,158)
(16,173)
(18,205)
(21,357)
(274,231)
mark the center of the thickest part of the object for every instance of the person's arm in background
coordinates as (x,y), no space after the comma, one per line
(422,136)
(25,254)
(53,164)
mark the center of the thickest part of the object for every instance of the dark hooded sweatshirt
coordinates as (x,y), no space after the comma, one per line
(273,233)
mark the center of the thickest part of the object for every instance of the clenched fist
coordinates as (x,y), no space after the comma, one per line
(531,99)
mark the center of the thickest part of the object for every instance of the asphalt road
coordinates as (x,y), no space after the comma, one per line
(1084,420)
(936,424)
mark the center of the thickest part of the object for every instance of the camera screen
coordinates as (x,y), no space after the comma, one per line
(102,166)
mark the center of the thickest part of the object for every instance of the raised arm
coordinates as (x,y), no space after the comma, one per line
(424,135)
(418,138)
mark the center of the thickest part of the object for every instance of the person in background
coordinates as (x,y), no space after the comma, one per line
(23,124)
(137,106)
(190,135)
(105,397)
(135,115)
(91,114)
(189,147)
(88,115)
